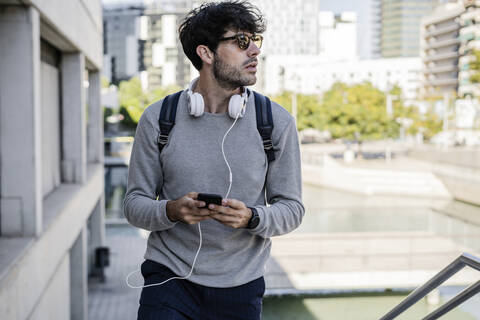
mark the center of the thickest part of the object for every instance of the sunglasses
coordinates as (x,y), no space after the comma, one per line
(243,40)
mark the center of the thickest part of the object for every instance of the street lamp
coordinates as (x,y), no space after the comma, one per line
(389,109)
(295,78)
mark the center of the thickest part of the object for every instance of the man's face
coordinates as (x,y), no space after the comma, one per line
(234,67)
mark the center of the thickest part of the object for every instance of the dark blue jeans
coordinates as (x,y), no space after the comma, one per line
(182,299)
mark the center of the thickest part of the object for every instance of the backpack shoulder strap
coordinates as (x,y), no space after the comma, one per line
(166,120)
(263,108)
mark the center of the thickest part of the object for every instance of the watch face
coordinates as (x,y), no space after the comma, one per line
(254,222)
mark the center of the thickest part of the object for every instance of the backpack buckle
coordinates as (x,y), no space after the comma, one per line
(162,139)
(267,144)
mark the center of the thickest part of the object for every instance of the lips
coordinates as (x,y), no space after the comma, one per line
(252,66)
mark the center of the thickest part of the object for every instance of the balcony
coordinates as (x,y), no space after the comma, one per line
(470,15)
(469,29)
(443,43)
(440,69)
(475,44)
(442,30)
(441,56)
(442,82)
(465,59)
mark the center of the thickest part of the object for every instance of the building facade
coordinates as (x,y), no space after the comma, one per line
(51,156)
(440,51)
(312,75)
(292,26)
(374,31)
(469,41)
(164,60)
(400,20)
(122,43)
(333,27)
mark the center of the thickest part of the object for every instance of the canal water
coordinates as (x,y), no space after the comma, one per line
(329,212)
(360,308)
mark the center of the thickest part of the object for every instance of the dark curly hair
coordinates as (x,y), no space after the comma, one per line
(206,24)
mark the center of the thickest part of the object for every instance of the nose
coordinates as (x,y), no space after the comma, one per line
(253,50)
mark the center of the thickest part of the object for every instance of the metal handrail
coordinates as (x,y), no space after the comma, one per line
(459,263)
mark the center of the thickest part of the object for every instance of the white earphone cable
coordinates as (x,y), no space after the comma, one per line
(223,152)
(160,283)
(199,228)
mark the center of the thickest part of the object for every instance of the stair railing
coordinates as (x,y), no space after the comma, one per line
(459,263)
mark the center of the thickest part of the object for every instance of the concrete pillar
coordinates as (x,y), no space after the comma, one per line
(78,278)
(96,224)
(95,118)
(74,145)
(20,132)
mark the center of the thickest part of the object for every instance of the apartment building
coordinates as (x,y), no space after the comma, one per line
(400,22)
(164,60)
(122,42)
(469,41)
(440,43)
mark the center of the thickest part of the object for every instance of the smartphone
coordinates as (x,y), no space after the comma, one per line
(210,198)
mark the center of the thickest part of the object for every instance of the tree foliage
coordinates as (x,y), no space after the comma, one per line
(475,67)
(133,100)
(358,112)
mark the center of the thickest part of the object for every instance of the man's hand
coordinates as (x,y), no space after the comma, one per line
(187,209)
(232,213)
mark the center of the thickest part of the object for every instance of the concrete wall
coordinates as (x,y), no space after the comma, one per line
(78,24)
(48,206)
(457,168)
(49,307)
(50,128)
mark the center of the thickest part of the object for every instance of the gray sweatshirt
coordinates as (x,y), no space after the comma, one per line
(192,161)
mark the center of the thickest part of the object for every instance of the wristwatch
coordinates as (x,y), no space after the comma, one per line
(254,220)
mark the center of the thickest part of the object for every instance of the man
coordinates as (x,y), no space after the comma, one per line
(223,280)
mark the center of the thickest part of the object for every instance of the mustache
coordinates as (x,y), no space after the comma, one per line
(250,61)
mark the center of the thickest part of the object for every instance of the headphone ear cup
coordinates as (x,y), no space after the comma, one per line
(236,106)
(195,105)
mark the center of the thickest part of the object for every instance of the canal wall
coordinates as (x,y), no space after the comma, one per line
(398,177)
(457,168)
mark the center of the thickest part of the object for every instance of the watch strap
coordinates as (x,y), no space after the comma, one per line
(254,219)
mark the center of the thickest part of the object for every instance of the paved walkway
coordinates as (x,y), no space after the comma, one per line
(113,299)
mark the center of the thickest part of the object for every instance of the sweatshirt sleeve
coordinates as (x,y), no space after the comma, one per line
(283,188)
(145,179)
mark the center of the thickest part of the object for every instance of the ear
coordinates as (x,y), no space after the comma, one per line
(205,54)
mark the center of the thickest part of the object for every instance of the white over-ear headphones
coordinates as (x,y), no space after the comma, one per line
(196,105)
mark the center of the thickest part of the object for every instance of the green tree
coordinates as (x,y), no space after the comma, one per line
(105,82)
(357,112)
(475,66)
(133,100)
(308,109)
(160,93)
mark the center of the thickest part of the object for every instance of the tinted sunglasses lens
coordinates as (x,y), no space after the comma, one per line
(243,41)
(258,41)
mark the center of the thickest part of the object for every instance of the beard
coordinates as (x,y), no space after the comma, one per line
(230,77)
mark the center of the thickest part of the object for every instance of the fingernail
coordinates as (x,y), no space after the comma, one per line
(224,202)
(211,206)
